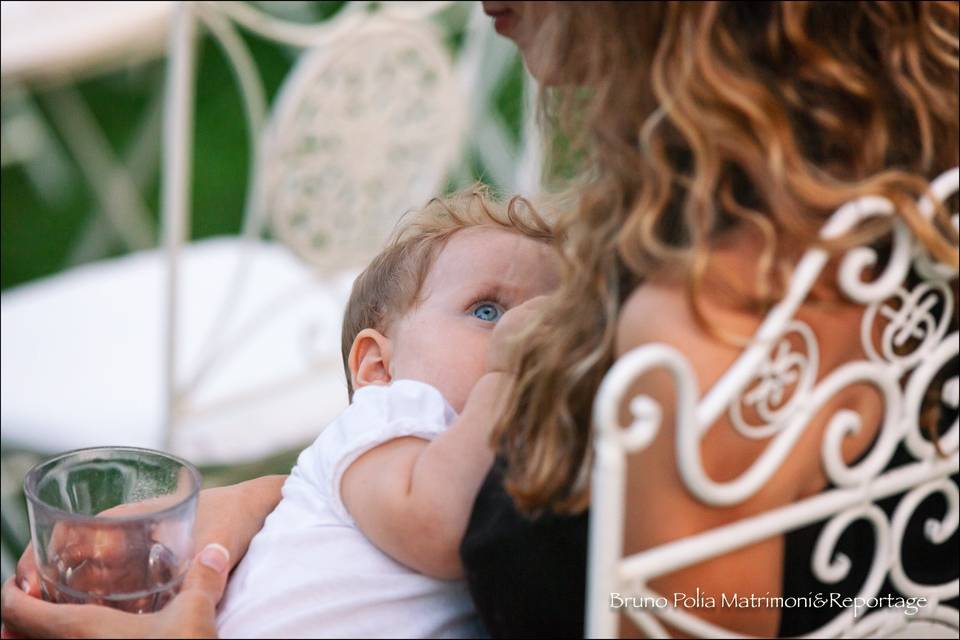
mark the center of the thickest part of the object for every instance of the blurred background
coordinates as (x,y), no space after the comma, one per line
(83,264)
(49,211)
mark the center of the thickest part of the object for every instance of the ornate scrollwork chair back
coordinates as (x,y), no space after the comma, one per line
(911,344)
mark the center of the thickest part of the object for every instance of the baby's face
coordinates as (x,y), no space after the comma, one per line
(479,275)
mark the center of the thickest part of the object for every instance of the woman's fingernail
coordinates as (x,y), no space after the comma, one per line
(24,586)
(216,557)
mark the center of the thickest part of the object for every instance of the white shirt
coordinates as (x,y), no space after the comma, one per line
(311,572)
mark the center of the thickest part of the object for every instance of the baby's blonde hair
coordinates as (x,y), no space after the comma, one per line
(391,285)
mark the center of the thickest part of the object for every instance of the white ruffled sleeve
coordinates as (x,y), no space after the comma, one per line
(377,414)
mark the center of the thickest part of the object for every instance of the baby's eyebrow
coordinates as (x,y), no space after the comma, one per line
(501,290)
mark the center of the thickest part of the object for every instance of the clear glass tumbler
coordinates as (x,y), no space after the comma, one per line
(112,526)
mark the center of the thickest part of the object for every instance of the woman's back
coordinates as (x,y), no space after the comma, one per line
(543,593)
(661,507)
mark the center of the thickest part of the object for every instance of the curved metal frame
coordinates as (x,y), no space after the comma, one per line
(758,377)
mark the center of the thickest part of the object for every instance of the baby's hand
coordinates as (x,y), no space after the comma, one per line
(501,354)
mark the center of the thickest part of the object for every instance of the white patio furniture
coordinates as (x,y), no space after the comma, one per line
(227,350)
(916,345)
(47,47)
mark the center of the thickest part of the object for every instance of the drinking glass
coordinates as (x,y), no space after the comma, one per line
(112,526)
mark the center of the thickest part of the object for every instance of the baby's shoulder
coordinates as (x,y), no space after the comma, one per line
(378,413)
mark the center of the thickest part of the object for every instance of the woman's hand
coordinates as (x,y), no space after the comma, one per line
(501,353)
(191,614)
(227,516)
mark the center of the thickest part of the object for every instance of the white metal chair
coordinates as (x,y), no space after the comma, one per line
(49,46)
(247,329)
(907,312)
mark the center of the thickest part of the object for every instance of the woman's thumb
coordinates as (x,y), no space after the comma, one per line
(208,573)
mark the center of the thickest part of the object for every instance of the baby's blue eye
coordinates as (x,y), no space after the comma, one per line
(487,311)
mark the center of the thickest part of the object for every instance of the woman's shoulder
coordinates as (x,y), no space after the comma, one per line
(674,306)
(712,317)
(661,311)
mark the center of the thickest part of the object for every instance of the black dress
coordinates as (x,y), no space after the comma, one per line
(527,576)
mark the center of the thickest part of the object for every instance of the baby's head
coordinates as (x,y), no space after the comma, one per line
(425,307)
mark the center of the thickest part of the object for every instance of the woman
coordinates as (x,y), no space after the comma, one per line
(720,138)
(713,141)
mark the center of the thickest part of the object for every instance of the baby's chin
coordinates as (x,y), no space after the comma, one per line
(455,395)
(454,401)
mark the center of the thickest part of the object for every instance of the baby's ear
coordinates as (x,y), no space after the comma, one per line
(369,359)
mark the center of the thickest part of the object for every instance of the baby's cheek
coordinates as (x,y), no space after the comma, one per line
(461,368)
(473,367)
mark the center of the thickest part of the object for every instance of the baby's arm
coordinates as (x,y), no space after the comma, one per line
(412,497)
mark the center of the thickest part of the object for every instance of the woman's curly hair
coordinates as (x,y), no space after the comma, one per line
(690,117)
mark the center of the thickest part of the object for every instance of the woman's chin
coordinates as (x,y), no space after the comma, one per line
(535,66)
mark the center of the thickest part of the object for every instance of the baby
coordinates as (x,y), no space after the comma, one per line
(365,541)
